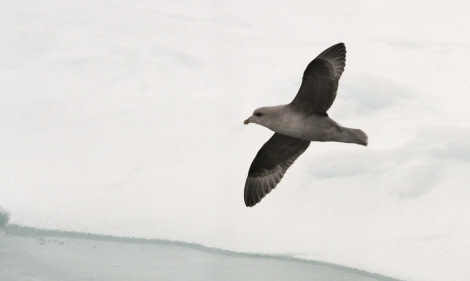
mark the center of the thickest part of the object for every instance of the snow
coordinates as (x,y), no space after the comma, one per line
(125,119)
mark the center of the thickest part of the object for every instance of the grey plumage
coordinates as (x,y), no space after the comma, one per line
(296,124)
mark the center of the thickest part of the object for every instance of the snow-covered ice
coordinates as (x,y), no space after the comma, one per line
(103,104)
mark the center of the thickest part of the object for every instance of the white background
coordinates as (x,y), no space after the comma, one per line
(125,118)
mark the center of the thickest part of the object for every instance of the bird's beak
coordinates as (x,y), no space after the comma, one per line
(246,121)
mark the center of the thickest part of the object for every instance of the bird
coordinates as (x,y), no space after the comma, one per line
(295,125)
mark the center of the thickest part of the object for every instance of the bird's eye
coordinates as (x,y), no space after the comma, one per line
(258,114)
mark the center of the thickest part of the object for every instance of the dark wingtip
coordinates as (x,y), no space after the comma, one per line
(249,198)
(251,201)
(256,190)
(334,56)
(334,50)
(252,195)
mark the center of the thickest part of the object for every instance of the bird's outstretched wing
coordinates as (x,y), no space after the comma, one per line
(270,164)
(320,80)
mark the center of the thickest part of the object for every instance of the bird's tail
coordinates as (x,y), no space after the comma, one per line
(356,136)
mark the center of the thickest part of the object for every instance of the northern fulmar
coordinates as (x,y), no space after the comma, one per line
(298,123)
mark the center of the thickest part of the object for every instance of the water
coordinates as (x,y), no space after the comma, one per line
(33,254)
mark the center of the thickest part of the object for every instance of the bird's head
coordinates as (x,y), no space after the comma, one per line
(263,116)
(257,117)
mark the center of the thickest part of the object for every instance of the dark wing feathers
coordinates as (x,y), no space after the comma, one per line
(320,80)
(270,164)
